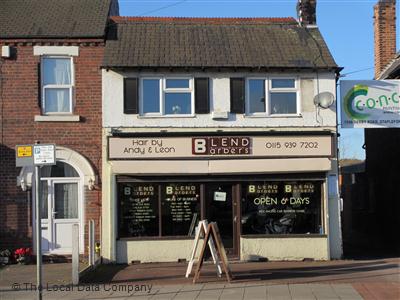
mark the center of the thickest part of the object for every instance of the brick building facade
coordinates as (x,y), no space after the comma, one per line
(26,118)
(382,170)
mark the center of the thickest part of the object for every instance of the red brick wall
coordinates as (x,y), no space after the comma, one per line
(19,105)
(385,34)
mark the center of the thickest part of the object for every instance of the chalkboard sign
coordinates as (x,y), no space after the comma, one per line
(138,210)
(180,208)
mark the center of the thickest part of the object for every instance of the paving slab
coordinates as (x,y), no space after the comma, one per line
(255,292)
(323,291)
(17,295)
(214,286)
(209,294)
(278,292)
(232,293)
(167,292)
(192,287)
(187,295)
(301,292)
(346,292)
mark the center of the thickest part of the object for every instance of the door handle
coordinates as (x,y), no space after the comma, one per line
(54,213)
(234,219)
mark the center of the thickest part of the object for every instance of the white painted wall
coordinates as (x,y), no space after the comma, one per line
(154,251)
(113,115)
(293,248)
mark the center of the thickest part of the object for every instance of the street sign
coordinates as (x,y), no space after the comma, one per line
(370,103)
(44,154)
(24,151)
(23,155)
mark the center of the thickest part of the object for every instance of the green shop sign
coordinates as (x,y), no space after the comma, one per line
(370,103)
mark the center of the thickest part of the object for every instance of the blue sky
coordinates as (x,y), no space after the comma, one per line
(347,26)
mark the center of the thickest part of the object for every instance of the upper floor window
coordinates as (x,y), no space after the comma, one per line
(57,85)
(274,96)
(167,96)
(283,96)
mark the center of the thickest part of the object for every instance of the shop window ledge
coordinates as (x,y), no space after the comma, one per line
(280,236)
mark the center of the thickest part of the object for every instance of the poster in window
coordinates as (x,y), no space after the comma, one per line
(281,207)
(180,208)
(138,210)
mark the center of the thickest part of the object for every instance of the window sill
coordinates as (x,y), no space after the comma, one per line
(273,116)
(57,118)
(165,116)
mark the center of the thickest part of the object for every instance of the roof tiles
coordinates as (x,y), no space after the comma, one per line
(53,18)
(141,42)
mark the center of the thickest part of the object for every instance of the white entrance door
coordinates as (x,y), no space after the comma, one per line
(61,209)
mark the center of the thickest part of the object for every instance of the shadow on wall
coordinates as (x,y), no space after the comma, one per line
(15,212)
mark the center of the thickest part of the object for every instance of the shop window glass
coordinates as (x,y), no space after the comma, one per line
(180,204)
(138,210)
(281,207)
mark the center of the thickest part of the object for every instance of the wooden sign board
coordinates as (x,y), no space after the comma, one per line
(213,232)
(201,230)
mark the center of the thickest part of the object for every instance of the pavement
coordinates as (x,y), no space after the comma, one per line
(344,279)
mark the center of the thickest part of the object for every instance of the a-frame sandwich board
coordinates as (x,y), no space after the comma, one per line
(202,228)
(213,232)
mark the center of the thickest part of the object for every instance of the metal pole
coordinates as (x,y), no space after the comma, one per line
(75,254)
(38,237)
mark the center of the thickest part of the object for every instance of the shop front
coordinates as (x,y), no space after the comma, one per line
(267,193)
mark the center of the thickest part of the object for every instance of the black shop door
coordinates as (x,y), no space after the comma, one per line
(221,208)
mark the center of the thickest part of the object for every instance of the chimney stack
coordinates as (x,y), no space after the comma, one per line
(306,12)
(385,34)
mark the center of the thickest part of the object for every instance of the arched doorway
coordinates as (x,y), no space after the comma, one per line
(61,199)
(62,193)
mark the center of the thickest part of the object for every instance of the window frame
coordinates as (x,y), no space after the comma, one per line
(163,91)
(267,96)
(295,89)
(247,97)
(70,86)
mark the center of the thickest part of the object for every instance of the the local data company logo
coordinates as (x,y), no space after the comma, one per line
(358,105)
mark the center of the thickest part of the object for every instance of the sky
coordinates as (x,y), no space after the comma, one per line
(347,26)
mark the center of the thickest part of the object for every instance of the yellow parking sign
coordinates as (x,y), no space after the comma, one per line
(24,151)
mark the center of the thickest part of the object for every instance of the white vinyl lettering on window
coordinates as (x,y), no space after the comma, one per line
(272,96)
(166,96)
(57,84)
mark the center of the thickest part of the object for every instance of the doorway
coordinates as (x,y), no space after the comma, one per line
(221,206)
(61,207)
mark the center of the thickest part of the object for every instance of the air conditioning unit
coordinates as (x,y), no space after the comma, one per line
(6,51)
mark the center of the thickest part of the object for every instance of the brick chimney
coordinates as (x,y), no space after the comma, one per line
(385,34)
(306,12)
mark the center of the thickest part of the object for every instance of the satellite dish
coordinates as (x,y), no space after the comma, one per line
(324,99)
